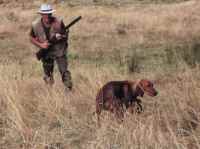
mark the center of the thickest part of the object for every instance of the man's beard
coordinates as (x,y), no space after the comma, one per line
(50,19)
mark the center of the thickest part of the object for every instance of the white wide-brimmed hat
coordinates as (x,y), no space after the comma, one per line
(46,9)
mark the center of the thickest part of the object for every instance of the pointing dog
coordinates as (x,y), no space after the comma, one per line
(114,95)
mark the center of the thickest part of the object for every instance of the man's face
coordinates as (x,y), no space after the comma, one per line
(46,18)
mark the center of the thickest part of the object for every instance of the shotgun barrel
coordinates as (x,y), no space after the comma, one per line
(73,22)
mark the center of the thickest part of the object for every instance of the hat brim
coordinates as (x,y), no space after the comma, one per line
(46,12)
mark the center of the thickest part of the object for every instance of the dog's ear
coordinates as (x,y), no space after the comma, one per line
(140,87)
(142,83)
(136,91)
(141,93)
(132,84)
(147,87)
(145,83)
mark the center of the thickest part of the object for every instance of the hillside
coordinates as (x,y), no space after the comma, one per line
(112,42)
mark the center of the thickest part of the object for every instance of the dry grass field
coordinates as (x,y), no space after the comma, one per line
(112,42)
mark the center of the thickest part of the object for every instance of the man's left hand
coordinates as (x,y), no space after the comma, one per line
(60,36)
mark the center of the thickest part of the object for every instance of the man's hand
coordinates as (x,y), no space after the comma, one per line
(60,36)
(44,45)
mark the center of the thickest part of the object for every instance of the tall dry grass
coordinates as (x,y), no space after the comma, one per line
(33,115)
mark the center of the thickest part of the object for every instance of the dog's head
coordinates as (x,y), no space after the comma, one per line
(145,86)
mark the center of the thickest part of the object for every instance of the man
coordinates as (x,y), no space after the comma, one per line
(49,34)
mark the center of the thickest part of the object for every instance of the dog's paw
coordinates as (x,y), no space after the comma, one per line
(139,109)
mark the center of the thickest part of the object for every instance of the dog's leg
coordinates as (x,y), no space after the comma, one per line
(118,110)
(139,107)
(131,107)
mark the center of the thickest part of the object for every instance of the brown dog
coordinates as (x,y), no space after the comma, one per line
(113,95)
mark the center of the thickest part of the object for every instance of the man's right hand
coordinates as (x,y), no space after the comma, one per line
(44,45)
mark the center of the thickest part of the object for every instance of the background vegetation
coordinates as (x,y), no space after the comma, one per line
(115,40)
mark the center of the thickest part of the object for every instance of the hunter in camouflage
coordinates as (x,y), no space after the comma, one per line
(49,34)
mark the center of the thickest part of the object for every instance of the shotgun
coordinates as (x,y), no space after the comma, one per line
(43,52)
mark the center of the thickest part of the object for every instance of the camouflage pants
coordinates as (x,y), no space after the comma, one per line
(48,67)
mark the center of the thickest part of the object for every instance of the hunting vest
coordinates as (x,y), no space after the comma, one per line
(57,49)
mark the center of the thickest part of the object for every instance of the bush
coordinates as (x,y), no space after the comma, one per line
(133,61)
